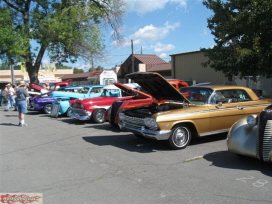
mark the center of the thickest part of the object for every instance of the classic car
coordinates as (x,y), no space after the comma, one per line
(43,102)
(53,87)
(252,136)
(111,114)
(61,105)
(193,111)
(94,108)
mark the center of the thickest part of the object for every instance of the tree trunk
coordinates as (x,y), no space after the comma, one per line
(33,70)
(32,73)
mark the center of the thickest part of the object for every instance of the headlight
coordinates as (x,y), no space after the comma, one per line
(150,122)
(251,120)
(82,106)
(121,116)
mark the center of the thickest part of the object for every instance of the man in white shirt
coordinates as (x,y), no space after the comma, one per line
(10,97)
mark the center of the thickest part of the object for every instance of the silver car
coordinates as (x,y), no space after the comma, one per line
(252,136)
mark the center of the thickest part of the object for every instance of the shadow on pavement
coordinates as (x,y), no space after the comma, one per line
(34,113)
(8,124)
(207,139)
(130,142)
(70,121)
(226,159)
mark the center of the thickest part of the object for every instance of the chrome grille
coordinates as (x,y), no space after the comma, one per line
(133,121)
(81,112)
(267,141)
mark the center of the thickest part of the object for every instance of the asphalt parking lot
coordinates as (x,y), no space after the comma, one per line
(72,162)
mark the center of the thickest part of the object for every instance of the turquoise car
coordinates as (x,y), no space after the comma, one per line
(61,105)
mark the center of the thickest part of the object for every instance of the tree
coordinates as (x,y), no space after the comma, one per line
(4,66)
(65,29)
(60,66)
(242,32)
(98,68)
(76,71)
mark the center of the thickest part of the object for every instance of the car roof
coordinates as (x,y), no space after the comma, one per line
(217,87)
(83,86)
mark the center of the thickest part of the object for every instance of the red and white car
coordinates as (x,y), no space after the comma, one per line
(94,108)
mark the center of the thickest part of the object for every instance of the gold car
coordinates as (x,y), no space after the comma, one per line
(193,111)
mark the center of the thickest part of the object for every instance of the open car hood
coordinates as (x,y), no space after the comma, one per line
(157,86)
(132,91)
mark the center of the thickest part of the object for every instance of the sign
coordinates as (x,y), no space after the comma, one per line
(45,74)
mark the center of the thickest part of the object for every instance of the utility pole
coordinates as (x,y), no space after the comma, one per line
(12,74)
(132,57)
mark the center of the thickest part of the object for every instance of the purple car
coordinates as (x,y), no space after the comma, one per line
(42,103)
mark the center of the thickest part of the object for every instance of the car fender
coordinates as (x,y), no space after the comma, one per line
(241,138)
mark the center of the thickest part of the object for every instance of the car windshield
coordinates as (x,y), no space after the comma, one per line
(197,95)
(78,89)
(111,92)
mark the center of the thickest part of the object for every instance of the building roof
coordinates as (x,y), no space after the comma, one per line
(149,59)
(81,75)
(185,53)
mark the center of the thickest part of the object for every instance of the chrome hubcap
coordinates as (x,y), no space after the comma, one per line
(180,137)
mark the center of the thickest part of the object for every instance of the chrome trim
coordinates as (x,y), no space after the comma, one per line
(211,110)
(213,132)
(267,142)
(152,134)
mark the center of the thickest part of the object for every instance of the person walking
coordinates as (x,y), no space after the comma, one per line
(21,97)
(10,97)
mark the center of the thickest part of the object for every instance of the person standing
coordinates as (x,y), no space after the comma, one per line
(2,97)
(44,89)
(230,81)
(21,97)
(10,97)
(259,93)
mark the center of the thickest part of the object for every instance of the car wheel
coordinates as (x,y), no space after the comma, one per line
(98,115)
(47,108)
(180,137)
(68,112)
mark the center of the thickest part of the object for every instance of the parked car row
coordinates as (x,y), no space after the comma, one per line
(176,114)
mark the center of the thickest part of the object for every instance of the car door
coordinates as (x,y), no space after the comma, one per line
(226,108)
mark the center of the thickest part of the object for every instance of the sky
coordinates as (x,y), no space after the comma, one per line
(160,27)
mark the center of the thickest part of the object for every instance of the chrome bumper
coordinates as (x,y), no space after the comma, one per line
(152,134)
(80,114)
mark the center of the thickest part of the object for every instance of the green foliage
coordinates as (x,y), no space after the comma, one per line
(98,68)
(65,29)
(60,66)
(76,71)
(4,66)
(242,32)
